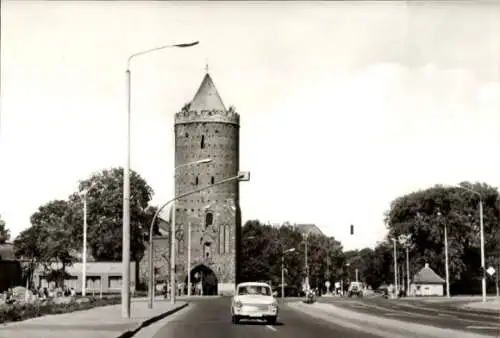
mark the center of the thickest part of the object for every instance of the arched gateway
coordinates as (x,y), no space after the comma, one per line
(204,281)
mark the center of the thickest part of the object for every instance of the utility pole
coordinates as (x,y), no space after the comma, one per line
(483,260)
(447,267)
(498,271)
(84,251)
(283,277)
(395,268)
(189,260)
(407,271)
(307,264)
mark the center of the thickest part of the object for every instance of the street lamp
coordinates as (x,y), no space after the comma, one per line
(173,292)
(306,235)
(481,229)
(126,186)
(405,241)
(283,272)
(172,227)
(446,258)
(395,268)
(348,265)
(83,194)
(242,176)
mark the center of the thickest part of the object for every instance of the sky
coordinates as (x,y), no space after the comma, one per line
(344,106)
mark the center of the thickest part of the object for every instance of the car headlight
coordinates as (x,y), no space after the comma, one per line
(238,304)
(273,305)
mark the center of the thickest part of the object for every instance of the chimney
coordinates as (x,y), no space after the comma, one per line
(427,265)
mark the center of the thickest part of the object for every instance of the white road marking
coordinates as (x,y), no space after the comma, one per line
(271,328)
(483,327)
(397,314)
(357,305)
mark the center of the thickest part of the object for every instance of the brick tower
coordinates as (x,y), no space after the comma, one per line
(204,128)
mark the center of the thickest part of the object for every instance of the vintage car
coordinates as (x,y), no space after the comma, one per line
(254,300)
(355,289)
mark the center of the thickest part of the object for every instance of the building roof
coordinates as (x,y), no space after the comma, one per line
(427,276)
(207,97)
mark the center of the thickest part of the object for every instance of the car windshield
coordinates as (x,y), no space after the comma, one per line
(254,290)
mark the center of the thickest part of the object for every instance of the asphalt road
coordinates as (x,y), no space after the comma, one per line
(443,315)
(211,318)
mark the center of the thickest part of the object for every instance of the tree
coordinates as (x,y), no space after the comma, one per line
(262,252)
(424,213)
(48,241)
(257,254)
(27,246)
(4,232)
(105,211)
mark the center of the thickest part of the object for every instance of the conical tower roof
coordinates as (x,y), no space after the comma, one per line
(207,97)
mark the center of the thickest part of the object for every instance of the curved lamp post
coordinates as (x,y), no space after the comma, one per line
(446,258)
(151,290)
(83,194)
(126,186)
(242,176)
(404,240)
(283,272)
(395,268)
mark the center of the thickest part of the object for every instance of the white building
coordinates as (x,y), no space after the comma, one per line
(427,283)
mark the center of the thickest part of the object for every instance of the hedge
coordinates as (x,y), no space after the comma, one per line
(22,311)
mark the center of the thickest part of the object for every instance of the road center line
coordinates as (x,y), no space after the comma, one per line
(444,315)
(271,328)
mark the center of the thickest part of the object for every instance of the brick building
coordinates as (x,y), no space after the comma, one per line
(205,128)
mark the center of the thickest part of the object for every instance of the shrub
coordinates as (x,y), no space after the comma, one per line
(22,311)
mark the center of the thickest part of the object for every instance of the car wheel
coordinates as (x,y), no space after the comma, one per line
(271,320)
(235,319)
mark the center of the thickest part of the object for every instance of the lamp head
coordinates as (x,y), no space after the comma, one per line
(206,160)
(185,45)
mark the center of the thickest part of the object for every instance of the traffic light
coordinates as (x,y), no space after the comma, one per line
(352,229)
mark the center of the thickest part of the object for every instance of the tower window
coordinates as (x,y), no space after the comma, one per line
(202,141)
(206,249)
(221,239)
(212,180)
(187,135)
(209,219)
(196,180)
(227,248)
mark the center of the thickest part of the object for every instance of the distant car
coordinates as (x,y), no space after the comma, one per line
(355,289)
(254,300)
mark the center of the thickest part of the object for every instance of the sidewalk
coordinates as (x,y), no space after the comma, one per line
(381,326)
(490,306)
(101,322)
(443,299)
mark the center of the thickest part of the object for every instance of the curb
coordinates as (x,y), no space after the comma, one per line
(147,322)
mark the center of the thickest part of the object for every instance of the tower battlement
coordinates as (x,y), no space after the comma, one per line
(229,116)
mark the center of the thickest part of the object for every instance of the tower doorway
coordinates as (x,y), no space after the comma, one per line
(203,281)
